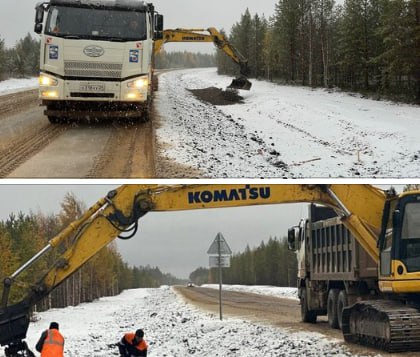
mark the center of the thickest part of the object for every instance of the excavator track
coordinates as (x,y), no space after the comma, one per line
(385,324)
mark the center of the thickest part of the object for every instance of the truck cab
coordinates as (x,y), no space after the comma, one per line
(96,57)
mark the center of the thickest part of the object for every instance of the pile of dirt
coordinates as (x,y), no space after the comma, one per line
(217,96)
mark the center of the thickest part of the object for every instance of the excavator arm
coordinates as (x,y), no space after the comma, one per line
(219,40)
(361,207)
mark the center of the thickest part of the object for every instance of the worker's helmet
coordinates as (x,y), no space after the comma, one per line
(54,325)
(140,333)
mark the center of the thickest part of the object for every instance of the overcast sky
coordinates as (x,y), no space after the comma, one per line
(17,16)
(176,242)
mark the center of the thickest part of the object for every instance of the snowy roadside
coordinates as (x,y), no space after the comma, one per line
(173,328)
(284,131)
(15,85)
(287,293)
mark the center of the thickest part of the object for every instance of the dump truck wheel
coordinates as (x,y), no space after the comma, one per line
(332,308)
(341,304)
(306,314)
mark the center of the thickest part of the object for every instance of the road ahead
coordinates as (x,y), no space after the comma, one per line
(271,310)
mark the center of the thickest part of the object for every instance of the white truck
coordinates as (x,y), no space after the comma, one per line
(97,58)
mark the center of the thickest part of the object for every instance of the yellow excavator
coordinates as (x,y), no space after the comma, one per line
(219,40)
(386,224)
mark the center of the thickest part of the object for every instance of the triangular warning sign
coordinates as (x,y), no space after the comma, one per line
(219,241)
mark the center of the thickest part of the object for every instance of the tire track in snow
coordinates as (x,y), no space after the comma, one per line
(23,148)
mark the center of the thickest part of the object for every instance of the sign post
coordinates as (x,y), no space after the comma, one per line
(220,253)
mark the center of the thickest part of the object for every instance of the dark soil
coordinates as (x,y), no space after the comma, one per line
(217,96)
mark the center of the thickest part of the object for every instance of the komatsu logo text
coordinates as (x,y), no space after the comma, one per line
(193,38)
(240,194)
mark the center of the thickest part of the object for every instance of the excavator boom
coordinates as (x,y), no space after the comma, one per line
(361,208)
(219,40)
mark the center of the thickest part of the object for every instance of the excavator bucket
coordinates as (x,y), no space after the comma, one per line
(241,83)
(14,322)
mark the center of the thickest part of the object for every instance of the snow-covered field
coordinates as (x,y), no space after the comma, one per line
(284,131)
(17,84)
(172,328)
(287,293)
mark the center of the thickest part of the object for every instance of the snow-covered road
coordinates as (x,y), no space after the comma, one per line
(172,328)
(284,131)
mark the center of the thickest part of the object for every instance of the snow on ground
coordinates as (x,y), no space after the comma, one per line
(172,328)
(17,84)
(288,293)
(285,131)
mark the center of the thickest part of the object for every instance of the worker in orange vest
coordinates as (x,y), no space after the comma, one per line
(133,344)
(51,342)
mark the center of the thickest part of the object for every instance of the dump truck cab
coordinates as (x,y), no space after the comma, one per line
(96,57)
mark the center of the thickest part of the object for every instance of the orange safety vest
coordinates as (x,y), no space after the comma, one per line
(141,346)
(53,344)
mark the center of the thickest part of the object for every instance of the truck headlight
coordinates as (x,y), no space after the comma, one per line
(49,94)
(47,81)
(138,83)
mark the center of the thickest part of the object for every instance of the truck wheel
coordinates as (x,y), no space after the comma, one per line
(341,304)
(155,83)
(146,116)
(306,314)
(332,308)
(54,120)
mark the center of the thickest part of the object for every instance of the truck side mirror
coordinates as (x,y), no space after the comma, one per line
(39,14)
(158,35)
(39,17)
(38,28)
(291,239)
(158,23)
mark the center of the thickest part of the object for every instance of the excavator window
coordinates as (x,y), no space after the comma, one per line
(410,237)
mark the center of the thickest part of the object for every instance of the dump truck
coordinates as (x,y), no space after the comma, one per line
(97,57)
(334,271)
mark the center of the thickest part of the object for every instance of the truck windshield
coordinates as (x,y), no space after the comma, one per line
(410,237)
(89,23)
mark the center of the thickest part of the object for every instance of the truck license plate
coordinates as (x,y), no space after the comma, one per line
(92,87)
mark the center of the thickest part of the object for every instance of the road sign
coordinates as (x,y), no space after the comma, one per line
(223,249)
(222,261)
(220,253)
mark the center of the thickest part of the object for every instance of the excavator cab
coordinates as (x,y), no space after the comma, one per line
(400,249)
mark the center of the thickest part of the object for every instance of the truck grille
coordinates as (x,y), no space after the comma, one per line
(92,69)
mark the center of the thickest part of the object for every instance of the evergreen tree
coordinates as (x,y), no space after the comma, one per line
(2,59)
(286,37)
(199,276)
(400,31)
(270,263)
(24,58)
